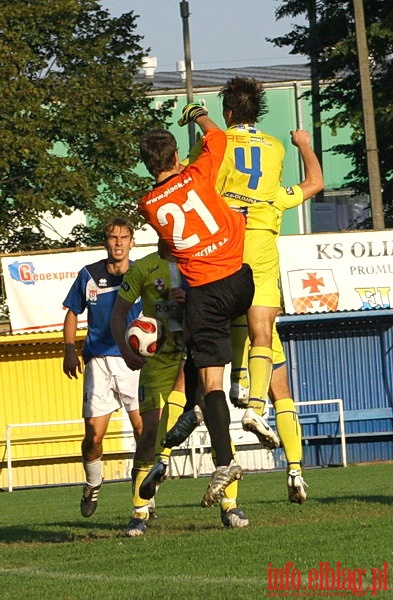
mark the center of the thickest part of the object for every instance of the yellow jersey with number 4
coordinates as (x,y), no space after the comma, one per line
(250,174)
(249,178)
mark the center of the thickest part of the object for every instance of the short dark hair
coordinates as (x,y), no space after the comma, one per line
(117,222)
(246,98)
(157,149)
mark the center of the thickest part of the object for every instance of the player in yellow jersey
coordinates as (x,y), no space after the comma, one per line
(250,181)
(161,381)
(231,515)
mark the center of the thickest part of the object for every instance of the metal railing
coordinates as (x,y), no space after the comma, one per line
(193,445)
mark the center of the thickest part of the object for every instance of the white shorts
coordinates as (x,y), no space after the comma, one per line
(108,385)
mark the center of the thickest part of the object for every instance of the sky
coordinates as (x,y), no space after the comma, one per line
(223,33)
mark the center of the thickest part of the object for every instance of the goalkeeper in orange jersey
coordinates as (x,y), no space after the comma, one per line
(207,240)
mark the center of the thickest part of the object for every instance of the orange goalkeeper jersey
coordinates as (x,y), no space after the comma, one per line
(202,232)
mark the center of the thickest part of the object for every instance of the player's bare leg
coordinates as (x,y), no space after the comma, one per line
(95,430)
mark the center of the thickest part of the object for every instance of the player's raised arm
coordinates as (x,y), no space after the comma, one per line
(313,179)
(198,114)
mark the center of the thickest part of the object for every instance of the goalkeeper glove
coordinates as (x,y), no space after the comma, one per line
(191,112)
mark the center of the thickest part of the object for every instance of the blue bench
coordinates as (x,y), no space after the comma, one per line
(350,416)
(323,428)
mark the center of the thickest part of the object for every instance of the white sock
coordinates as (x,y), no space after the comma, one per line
(93,472)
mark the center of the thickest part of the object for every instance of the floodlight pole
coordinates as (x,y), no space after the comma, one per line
(315,94)
(185,13)
(374,176)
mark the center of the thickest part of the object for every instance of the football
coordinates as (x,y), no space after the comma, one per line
(145,335)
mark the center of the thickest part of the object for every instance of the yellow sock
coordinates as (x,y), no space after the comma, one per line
(240,348)
(172,410)
(141,506)
(229,500)
(290,432)
(260,372)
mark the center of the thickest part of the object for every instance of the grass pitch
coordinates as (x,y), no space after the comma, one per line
(48,551)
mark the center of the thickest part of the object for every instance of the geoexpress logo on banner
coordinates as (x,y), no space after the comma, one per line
(37,285)
(25,272)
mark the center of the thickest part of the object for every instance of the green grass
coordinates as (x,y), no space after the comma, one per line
(48,551)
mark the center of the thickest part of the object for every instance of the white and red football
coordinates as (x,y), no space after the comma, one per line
(145,335)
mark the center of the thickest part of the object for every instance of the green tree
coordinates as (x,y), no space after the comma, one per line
(70,111)
(331,45)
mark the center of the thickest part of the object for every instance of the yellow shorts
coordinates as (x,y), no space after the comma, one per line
(260,252)
(157,379)
(279,357)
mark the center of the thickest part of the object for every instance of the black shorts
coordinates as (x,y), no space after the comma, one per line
(210,308)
